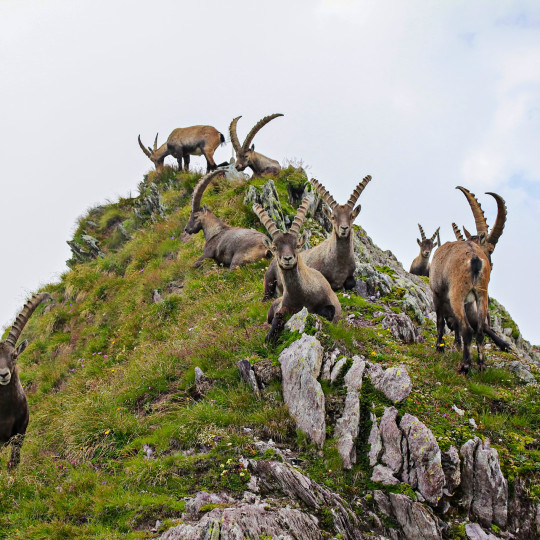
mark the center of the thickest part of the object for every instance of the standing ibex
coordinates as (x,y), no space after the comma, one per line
(460,274)
(13,404)
(185,142)
(333,258)
(302,286)
(420,265)
(230,246)
(246,156)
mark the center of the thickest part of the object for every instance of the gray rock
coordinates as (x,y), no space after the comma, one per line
(83,249)
(484,488)
(375,442)
(266,371)
(269,200)
(402,328)
(391,439)
(248,374)
(297,323)
(384,475)
(202,382)
(451,467)
(193,505)
(156,297)
(338,369)
(300,367)
(424,459)
(475,532)
(148,205)
(149,451)
(346,430)
(394,382)
(329,361)
(522,372)
(522,513)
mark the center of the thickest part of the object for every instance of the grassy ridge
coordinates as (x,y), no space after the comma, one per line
(108,371)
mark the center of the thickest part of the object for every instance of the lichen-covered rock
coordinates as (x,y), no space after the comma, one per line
(329,360)
(522,513)
(297,323)
(475,532)
(484,488)
(338,369)
(393,382)
(248,374)
(374,441)
(422,467)
(391,439)
(300,367)
(269,200)
(84,249)
(452,472)
(149,205)
(266,371)
(402,327)
(520,370)
(384,475)
(193,506)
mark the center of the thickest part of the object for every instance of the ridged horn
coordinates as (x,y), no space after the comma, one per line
(358,191)
(422,232)
(497,229)
(234,135)
(435,234)
(147,153)
(457,232)
(201,186)
(467,233)
(478,213)
(259,125)
(323,193)
(266,220)
(24,315)
(299,218)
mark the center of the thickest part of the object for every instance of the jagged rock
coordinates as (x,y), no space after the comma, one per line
(156,297)
(193,505)
(248,374)
(451,467)
(269,200)
(522,512)
(394,382)
(338,369)
(378,283)
(374,441)
(416,520)
(329,361)
(384,475)
(149,204)
(300,367)
(297,323)
(83,250)
(232,174)
(391,438)
(175,287)
(422,466)
(520,370)
(149,451)
(484,488)
(402,327)
(266,371)
(202,382)
(346,430)
(475,532)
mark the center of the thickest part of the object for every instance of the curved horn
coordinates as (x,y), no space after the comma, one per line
(323,193)
(201,186)
(457,232)
(468,235)
(422,232)
(435,234)
(24,315)
(144,149)
(300,216)
(478,213)
(497,229)
(266,220)
(155,142)
(358,191)
(234,135)
(259,125)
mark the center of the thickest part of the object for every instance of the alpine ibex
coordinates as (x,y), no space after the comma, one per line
(13,403)
(230,246)
(460,274)
(246,156)
(185,142)
(420,265)
(333,258)
(302,286)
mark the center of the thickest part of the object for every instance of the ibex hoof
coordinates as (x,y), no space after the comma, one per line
(440,347)
(464,370)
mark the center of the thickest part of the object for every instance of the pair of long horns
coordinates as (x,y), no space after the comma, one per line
(201,186)
(148,151)
(424,236)
(480,219)
(270,224)
(24,315)
(330,201)
(241,148)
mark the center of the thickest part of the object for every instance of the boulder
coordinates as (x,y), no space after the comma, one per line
(402,327)
(391,439)
(451,467)
(394,382)
(297,323)
(475,532)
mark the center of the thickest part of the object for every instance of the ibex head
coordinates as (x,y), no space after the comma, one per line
(342,216)
(243,152)
(428,244)
(486,239)
(154,155)
(284,245)
(195,222)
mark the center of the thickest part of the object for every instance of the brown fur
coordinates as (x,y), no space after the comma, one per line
(420,265)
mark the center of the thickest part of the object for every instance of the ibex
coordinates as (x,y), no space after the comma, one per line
(13,404)
(459,279)
(302,286)
(333,258)
(246,156)
(420,265)
(230,246)
(185,142)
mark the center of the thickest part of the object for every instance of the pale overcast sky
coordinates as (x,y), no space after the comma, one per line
(422,95)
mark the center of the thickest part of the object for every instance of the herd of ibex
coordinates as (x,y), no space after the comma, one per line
(458,275)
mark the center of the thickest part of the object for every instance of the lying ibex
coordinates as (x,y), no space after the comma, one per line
(420,265)
(459,279)
(246,156)
(302,286)
(13,403)
(230,246)
(333,258)
(185,142)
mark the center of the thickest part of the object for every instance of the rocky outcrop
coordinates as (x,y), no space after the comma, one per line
(475,532)
(300,367)
(394,382)
(149,206)
(451,467)
(84,249)
(402,327)
(522,513)
(269,200)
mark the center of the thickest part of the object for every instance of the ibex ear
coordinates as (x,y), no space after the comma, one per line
(355,212)
(253,148)
(21,347)
(482,238)
(204,208)
(268,243)
(326,211)
(419,243)
(301,240)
